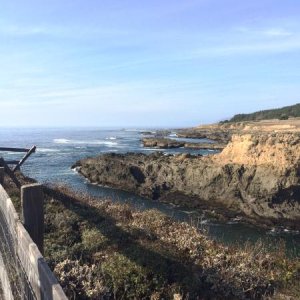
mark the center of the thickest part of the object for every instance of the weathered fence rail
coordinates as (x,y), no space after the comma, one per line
(18,164)
(24,273)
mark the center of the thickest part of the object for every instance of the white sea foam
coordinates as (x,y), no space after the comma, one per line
(61,141)
(10,153)
(150,149)
(76,142)
(111,138)
(107,143)
(173,135)
(273,231)
(47,150)
(204,221)
(276,231)
(188,212)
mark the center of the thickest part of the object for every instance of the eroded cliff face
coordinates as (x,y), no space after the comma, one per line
(277,149)
(256,174)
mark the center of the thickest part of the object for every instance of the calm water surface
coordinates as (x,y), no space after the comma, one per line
(59,149)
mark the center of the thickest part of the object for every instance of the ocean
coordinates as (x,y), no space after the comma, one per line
(59,149)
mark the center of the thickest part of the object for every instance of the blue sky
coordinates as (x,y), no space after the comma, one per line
(145,63)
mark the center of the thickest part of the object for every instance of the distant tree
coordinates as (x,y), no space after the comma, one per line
(283,117)
(223,122)
(278,113)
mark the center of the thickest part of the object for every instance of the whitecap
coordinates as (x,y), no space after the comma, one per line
(108,143)
(10,153)
(61,141)
(76,142)
(111,138)
(47,150)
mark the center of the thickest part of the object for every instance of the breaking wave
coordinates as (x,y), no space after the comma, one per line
(76,142)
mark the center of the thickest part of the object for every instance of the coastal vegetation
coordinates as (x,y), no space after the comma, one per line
(283,113)
(104,250)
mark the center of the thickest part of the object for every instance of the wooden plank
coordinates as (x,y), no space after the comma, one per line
(32,199)
(32,150)
(7,149)
(6,291)
(42,281)
(1,175)
(9,172)
(12,162)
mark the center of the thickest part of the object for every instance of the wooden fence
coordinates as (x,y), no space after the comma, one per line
(24,273)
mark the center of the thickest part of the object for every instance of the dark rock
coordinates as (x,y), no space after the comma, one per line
(257,175)
(137,174)
(164,143)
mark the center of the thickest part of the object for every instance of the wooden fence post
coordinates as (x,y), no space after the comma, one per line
(32,199)
(1,175)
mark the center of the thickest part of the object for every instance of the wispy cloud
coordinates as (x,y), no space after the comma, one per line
(12,30)
(251,41)
(276,32)
(258,48)
(272,32)
(73,31)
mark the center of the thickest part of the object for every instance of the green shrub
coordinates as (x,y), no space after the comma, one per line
(127,279)
(283,117)
(93,239)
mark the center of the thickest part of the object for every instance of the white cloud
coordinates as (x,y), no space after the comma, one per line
(276,32)
(272,32)
(20,30)
(251,41)
(251,48)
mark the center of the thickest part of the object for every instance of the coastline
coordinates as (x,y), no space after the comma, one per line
(248,160)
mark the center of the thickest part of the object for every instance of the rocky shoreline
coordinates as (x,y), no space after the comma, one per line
(255,176)
(166,143)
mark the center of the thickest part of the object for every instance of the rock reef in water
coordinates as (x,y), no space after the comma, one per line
(256,174)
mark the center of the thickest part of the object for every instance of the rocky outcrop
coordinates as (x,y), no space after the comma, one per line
(164,143)
(205,146)
(257,175)
(215,134)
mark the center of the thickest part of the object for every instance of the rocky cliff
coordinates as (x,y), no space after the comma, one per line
(257,175)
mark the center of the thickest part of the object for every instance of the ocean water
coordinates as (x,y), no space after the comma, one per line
(59,149)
